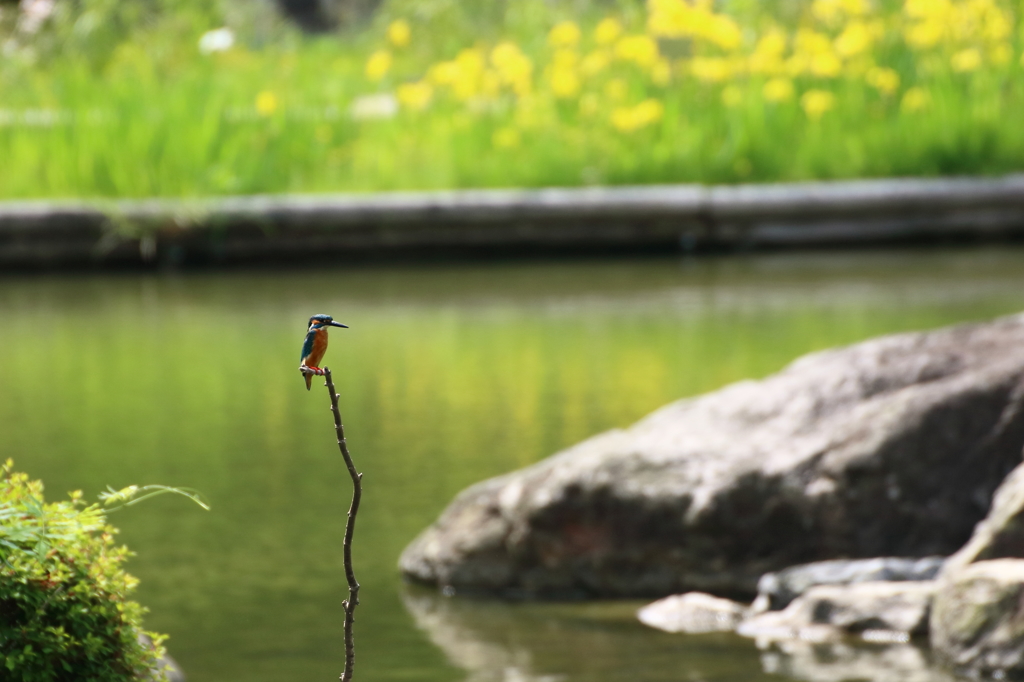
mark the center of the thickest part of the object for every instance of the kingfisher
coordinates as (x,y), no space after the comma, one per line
(315,345)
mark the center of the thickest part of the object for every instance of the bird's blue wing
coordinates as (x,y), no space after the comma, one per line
(307,345)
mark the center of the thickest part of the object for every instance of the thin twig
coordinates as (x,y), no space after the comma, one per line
(357,493)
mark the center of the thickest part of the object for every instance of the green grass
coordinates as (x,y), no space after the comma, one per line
(131,108)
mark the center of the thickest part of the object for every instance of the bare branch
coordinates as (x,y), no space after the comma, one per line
(357,493)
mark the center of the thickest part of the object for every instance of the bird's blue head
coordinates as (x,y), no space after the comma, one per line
(318,321)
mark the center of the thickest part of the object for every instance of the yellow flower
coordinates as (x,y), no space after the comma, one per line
(415,96)
(266,103)
(471,67)
(925,34)
(915,99)
(639,49)
(686,19)
(378,65)
(513,67)
(505,54)
(710,69)
(767,55)
(772,43)
(812,42)
(628,119)
(920,9)
(816,102)
(855,39)
(444,73)
(616,89)
(595,62)
(826,65)
(778,90)
(607,31)
(565,59)
(882,79)
(471,61)
(671,18)
(505,138)
(565,34)
(723,31)
(966,60)
(564,82)
(464,74)
(732,96)
(399,33)
(813,52)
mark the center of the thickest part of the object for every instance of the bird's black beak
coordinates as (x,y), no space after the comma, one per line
(339,324)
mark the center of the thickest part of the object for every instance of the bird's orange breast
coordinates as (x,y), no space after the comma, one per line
(319,348)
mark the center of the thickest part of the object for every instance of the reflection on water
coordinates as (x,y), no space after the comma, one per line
(544,642)
(603,641)
(448,375)
(842,661)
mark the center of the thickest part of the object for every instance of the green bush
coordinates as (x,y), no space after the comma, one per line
(65,612)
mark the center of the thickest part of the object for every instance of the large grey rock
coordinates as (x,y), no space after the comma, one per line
(776,590)
(693,613)
(827,611)
(889,447)
(977,622)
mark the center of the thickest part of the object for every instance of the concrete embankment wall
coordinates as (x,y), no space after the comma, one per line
(668,219)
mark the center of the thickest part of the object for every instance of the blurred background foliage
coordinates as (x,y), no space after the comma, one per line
(185,98)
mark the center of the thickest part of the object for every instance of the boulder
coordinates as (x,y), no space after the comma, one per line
(889,447)
(895,611)
(977,622)
(776,590)
(693,613)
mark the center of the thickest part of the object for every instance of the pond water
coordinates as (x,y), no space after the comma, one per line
(449,374)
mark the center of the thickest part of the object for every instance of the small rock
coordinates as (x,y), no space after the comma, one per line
(776,590)
(780,626)
(977,621)
(693,613)
(890,610)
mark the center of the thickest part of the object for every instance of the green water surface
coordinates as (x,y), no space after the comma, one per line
(449,374)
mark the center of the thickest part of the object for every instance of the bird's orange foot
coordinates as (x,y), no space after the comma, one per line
(316,371)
